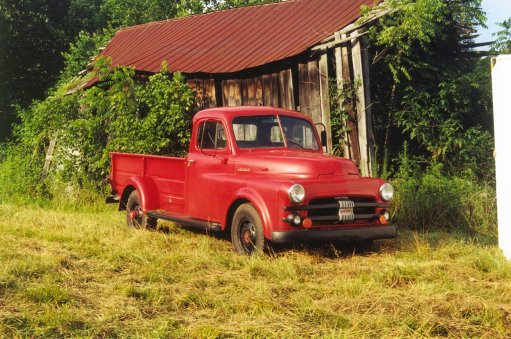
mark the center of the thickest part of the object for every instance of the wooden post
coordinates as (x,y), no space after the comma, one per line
(367,97)
(314,90)
(358,77)
(286,90)
(338,74)
(325,98)
(352,135)
(218,92)
(49,156)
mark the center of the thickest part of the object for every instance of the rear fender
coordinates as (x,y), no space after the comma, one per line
(147,191)
(260,205)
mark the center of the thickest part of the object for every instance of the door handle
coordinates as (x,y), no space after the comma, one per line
(190,162)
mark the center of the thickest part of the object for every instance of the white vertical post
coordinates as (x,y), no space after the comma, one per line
(324,87)
(358,75)
(501,83)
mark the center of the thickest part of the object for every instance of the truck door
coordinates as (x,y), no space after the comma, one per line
(207,166)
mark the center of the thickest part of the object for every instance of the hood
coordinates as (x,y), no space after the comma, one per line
(291,162)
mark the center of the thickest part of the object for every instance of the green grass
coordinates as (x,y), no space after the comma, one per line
(81,272)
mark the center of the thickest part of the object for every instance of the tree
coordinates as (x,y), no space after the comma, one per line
(430,88)
(502,44)
(32,36)
(241,3)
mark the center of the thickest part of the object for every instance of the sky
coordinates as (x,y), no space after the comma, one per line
(496,11)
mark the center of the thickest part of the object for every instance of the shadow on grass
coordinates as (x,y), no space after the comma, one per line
(336,250)
(330,250)
(407,239)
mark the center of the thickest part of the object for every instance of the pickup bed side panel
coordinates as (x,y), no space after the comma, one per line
(124,167)
(159,180)
(168,175)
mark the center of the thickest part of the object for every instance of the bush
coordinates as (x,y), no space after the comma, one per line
(122,113)
(434,201)
(125,115)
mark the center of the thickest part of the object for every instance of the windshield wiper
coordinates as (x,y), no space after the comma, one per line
(294,142)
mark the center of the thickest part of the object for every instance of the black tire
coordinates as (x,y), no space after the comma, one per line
(247,233)
(134,214)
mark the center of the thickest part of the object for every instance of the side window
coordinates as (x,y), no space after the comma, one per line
(211,135)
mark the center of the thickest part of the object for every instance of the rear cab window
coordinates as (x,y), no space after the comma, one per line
(211,136)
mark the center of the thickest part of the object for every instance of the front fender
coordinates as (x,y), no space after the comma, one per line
(261,204)
(147,190)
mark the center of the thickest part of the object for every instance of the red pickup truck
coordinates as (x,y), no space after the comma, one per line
(259,173)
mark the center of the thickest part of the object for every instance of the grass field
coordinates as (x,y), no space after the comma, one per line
(83,273)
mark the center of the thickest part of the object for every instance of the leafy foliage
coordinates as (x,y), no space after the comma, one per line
(430,201)
(343,97)
(133,12)
(502,43)
(429,89)
(32,35)
(80,52)
(121,114)
(411,23)
(241,3)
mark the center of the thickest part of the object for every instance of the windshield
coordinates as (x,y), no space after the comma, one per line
(263,131)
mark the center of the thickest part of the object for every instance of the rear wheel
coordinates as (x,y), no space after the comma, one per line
(134,215)
(247,234)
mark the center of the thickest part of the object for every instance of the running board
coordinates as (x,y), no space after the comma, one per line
(185,221)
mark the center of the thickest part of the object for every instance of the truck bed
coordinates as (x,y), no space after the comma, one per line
(166,174)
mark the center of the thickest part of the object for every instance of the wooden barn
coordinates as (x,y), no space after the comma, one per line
(286,54)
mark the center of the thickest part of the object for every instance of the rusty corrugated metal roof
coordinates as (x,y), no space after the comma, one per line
(232,40)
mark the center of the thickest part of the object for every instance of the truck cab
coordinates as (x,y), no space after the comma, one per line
(259,173)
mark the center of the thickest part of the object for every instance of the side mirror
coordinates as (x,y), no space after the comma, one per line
(323,138)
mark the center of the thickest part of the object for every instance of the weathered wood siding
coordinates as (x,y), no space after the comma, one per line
(310,96)
(205,89)
(274,89)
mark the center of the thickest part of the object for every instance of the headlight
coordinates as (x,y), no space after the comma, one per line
(386,191)
(296,193)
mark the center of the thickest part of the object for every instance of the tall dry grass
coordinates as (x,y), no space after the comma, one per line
(81,272)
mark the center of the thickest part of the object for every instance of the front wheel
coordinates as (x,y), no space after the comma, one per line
(134,214)
(247,234)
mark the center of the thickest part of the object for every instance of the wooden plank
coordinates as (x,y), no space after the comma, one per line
(219,93)
(225,92)
(244,92)
(259,92)
(267,90)
(282,90)
(275,90)
(304,89)
(314,90)
(286,89)
(339,79)
(324,87)
(235,92)
(231,92)
(251,92)
(49,156)
(337,42)
(353,149)
(358,76)
(209,93)
(196,85)
(367,96)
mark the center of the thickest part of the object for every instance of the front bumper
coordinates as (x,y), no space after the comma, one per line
(344,234)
